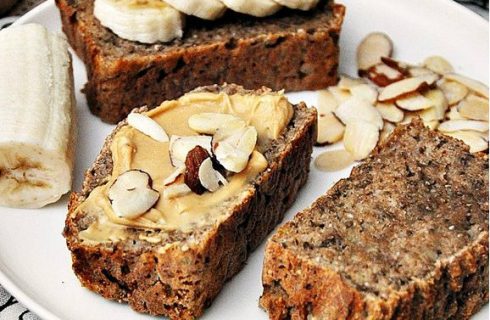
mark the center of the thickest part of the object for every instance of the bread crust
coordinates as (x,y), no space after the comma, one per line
(457,289)
(181,283)
(299,286)
(305,58)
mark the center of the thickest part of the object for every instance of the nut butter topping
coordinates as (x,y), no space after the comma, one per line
(133,150)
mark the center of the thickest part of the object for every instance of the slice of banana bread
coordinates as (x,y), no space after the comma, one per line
(404,237)
(292,50)
(181,274)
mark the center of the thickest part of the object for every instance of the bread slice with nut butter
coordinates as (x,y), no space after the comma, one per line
(168,213)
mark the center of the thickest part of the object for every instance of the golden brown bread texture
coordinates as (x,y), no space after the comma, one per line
(291,50)
(180,283)
(404,237)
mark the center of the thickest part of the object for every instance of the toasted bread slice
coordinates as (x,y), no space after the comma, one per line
(404,237)
(181,274)
(291,50)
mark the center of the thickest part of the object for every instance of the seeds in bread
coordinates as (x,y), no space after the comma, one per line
(181,274)
(292,50)
(405,237)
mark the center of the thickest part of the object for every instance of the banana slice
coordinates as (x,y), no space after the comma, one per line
(304,5)
(257,8)
(146,21)
(204,9)
(37,113)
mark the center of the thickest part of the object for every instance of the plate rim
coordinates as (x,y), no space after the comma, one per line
(25,298)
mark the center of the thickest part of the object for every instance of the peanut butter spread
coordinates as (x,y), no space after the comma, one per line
(131,149)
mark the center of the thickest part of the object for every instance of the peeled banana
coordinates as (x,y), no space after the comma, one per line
(37,117)
(146,21)
(208,9)
(258,8)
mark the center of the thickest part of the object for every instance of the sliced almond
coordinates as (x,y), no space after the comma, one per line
(147,126)
(438,65)
(233,152)
(131,194)
(326,102)
(176,190)
(386,132)
(474,107)
(463,125)
(359,109)
(195,158)
(454,91)
(414,102)
(429,114)
(372,48)
(395,64)
(330,161)
(230,157)
(483,135)
(174,176)
(209,122)
(330,129)
(181,145)
(473,85)
(472,138)
(360,138)
(439,106)
(383,75)
(406,87)
(209,177)
(244,139)
(366,92)
(390,112)
(419,71)
(390,72)
(454,114)
(434,124)
(346,82)
(340,95)
(409,116)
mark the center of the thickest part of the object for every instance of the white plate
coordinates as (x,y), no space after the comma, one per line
(34,261)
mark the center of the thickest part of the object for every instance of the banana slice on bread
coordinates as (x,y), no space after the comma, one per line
(37,114)
(204,9)
(257,8)
(146,21)
(298,4)
(151,21)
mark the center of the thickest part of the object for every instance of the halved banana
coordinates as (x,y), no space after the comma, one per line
(204,9)
(37,113)
(257,8)
(146,21)
(298,4)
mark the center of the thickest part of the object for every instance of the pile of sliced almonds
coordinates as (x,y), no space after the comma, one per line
(364,111)
(222,147)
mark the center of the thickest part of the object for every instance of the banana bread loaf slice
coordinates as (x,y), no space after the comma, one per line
(292,50)
(404,237)
(177,273)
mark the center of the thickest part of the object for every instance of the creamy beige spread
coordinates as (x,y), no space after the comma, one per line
(131,149)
